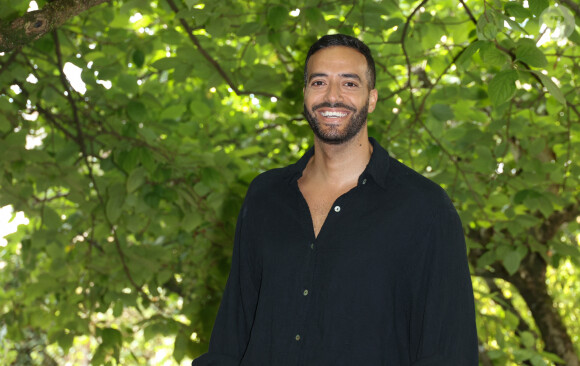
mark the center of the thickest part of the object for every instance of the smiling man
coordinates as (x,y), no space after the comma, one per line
(347,257)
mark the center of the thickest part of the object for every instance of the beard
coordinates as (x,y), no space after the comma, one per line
(333,135)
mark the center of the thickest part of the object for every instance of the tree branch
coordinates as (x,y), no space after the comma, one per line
(211,60)
(469,13)
(8,62)
(44,112)
(404,49)
(80,138)
(552,224)
(33,25)
(572,5)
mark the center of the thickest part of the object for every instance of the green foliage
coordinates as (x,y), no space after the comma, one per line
(133,186)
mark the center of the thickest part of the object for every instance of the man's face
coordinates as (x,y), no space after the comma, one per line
(336,97)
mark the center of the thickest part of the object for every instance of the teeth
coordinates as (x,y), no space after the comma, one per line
(333,114)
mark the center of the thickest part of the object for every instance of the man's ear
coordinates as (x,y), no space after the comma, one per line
(373,97)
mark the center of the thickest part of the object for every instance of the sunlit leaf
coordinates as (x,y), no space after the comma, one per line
(502,86)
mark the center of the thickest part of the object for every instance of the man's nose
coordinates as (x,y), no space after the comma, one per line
(333,93)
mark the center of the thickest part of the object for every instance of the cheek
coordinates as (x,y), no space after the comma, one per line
(311,99)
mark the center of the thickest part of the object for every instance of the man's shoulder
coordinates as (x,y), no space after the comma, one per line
(270,181)
(406,182)
(272,176)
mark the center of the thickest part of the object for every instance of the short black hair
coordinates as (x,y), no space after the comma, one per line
(344,40)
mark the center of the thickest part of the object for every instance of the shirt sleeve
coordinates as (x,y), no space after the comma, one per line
(231,331)
(443,330)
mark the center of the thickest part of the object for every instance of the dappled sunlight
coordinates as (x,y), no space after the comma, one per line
(129,137)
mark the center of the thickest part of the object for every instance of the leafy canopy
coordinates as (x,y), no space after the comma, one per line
(132,178)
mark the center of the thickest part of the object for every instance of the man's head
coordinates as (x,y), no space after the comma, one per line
(332,40)
(338,88)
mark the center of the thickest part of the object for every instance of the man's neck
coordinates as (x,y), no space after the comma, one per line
(340,164)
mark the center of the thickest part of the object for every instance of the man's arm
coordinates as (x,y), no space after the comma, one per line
(231,331)
(443,331)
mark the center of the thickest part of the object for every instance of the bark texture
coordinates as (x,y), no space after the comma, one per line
(530,280)
(33,25)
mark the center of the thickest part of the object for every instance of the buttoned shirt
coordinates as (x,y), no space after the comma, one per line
(385,282)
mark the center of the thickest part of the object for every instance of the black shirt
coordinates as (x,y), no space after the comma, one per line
(386,281)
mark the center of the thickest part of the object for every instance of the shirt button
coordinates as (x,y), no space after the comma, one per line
(336,208)
(364,181)
(297,337)
(305,293)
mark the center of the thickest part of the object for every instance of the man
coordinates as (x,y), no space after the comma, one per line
(347,257)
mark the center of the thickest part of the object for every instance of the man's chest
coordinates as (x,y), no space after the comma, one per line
(334,234)
(320,202)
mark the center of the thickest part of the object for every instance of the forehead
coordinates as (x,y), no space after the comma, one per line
(338,59)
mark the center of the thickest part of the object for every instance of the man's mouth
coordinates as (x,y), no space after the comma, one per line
(333,114)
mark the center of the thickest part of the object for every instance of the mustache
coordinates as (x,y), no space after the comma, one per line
(333,105)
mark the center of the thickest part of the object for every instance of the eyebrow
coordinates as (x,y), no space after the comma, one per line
(347,76)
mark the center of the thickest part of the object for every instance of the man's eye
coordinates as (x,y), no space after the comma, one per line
(317,83)
(350,84)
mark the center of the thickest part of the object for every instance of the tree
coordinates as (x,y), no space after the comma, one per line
(132,179)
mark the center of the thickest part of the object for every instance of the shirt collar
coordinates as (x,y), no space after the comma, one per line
(377,168)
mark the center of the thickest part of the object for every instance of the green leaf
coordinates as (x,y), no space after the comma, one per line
(528,339)
(538,6)
(566,250)
(526,51)
(522,354)
(277,16)
(492,56)
(128,159)
(516,10)
(50,218)
(138,58)
(489,25)
(442,112)
(553,89)
(112,338)
(128,83)
(392,22)
(218,26)
(465,58)
(316,19)
(4,123)
(192,220)
(486,259)
(180,346)
(136,111)
(511,261)
(515,25)
(552,357)
(248,29)
(65,341)
(372,12)
(115,202)
(135,179)
(199,108)
(574,37)
(502,87)
(173,112)
(167,63)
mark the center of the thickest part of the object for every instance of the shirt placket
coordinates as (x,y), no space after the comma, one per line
(310,289)
(303,290)
(305,293)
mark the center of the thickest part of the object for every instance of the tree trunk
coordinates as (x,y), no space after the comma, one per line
(530,280)
(33,25)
